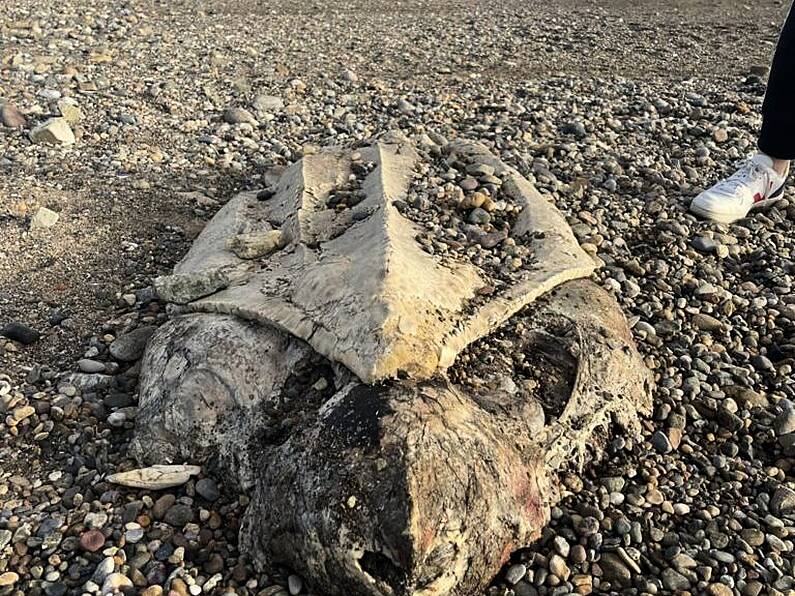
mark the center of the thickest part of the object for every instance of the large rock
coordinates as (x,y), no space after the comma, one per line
(280,371)
(354,283)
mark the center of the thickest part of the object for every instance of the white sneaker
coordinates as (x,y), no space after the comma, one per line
(755,185)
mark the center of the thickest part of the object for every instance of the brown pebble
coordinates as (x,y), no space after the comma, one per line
(138,578)
(162,505)
(477,199)
(92,541)
(10,116)
(577,554)
(720,590)
(239,572)
(674,436)
(9,578)
(215,520)
(178,588)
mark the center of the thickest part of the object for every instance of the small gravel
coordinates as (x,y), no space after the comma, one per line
(619,113)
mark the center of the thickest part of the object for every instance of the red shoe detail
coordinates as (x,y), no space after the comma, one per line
(758,197)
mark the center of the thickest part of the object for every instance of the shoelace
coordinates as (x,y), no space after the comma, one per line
(749,171)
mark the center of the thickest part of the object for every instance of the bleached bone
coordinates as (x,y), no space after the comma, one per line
(355,284)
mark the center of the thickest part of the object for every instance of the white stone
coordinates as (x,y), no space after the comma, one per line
(268,103)
(117,419)
(156,477)
(115,582)
(294,584)
(70,110)
(44,218)
(55,131)
(95,520)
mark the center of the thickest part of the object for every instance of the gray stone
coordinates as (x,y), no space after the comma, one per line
(90,366)
(115,582)
(706,322)
(479,216)
(706,289)
(525,589)
(118,400)
(783,501)
(208,489)
(103,570)
(787,443)
(20,332)
(515,573)
(613,484)
(130,346)
(239,116)
(134,535)
(674,581)
(575,128)
(615,570)
(70,110)
(117,419)
(257,244)
(562,546)
(784,423)
(405,107)
(178,515)
(87,382)
(294,584)
(776,543)
(661,443)
(704,244)
(268,103)
(95,520)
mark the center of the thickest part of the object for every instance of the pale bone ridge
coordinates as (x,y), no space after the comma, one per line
(355,284)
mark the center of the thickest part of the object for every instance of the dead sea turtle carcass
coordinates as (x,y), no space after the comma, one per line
(395,350)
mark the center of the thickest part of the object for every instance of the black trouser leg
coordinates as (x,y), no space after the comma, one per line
(777,138)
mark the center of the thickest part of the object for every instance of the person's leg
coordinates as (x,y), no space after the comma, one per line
(760,181)
(777,138)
